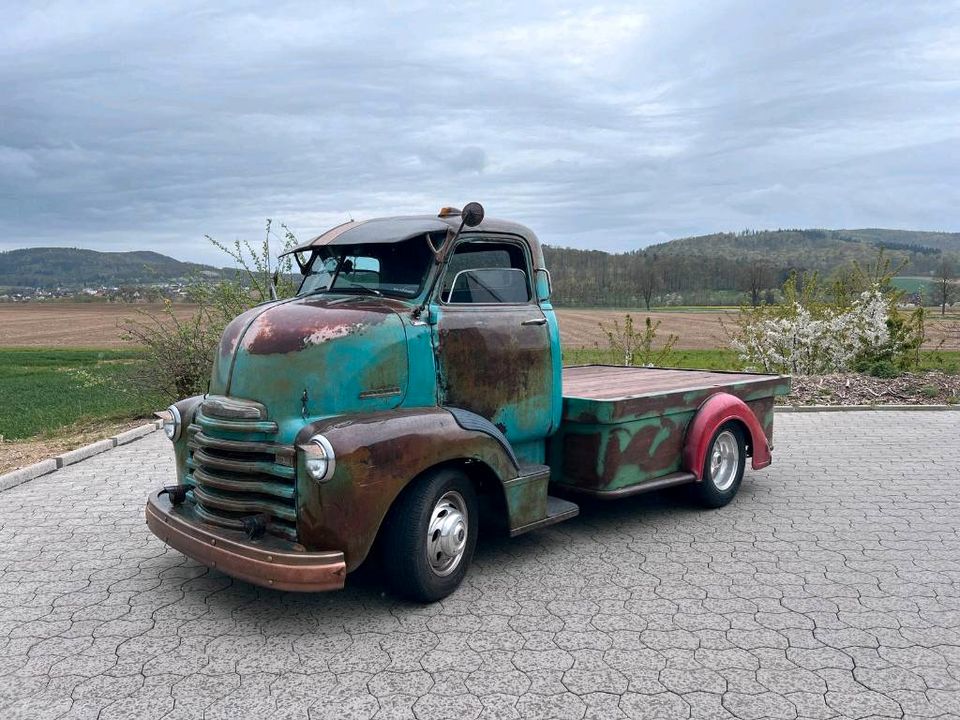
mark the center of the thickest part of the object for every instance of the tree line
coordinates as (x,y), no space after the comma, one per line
(653,277)
(592,278)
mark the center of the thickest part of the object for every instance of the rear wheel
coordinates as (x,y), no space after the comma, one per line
(722,467)
(430,536)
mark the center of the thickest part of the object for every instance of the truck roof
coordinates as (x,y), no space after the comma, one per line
(404,227)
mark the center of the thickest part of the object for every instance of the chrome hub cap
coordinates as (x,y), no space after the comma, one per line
(447,533)
(724,461)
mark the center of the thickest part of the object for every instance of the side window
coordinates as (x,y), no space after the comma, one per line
(485,272)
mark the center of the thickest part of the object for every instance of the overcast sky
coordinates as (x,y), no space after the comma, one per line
(136,125)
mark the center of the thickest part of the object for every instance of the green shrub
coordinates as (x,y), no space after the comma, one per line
(877,367)
(180,353)
(636,347)
(929,391)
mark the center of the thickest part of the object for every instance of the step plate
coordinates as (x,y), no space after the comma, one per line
(558,510)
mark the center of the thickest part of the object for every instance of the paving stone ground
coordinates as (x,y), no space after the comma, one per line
(830,588)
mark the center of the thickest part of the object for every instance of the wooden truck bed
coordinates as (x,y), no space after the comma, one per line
(624,426)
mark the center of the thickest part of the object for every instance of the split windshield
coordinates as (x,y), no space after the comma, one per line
(397,269)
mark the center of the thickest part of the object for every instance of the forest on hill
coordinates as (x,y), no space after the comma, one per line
(50,267)
(730,268)
(717,269)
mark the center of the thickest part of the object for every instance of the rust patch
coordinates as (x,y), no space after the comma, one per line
(291,327)
(614,456)
(233,331)
(494,366)
(763,409)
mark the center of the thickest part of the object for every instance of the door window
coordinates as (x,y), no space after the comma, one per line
(486,273)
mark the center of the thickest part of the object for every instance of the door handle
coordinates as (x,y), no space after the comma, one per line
(535,321)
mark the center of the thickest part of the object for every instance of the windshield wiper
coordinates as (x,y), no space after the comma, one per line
(364,288)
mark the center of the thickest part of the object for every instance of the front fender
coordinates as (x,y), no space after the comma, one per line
(713,413)
(377,455)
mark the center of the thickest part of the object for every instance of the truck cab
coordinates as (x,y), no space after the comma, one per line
(414,382)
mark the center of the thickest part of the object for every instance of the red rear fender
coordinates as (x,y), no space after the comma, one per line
(715,411)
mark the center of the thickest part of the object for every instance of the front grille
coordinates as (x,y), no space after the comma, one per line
(236,471)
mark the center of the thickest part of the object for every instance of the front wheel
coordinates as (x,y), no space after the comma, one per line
(430,536)
(722,467)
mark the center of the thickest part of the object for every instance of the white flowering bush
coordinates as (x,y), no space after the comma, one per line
(807,335)
(800,343)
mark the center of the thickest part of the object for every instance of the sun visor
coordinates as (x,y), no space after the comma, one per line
(380,230)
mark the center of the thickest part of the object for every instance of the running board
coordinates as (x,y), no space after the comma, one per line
(558,510)
(664,481)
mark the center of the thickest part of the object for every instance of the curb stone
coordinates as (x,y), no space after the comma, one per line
(44,467)
(133,434)
(862,408)
(82,453)
(24,474)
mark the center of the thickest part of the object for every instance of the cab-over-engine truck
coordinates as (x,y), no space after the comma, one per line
(413,382)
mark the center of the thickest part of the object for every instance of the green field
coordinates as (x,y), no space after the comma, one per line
(914,284)
(42,390)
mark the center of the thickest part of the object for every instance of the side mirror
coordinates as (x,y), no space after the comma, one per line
(472,214)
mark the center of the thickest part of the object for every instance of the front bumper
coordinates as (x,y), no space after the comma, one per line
(268,561)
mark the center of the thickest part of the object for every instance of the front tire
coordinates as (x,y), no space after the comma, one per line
(723,467)
(430,536)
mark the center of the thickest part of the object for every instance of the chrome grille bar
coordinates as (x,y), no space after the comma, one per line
(237,471)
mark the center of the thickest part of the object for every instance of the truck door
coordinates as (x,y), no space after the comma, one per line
(491,338)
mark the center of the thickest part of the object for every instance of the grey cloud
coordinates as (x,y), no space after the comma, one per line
(612,127)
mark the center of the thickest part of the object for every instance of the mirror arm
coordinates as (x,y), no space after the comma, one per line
(473,211)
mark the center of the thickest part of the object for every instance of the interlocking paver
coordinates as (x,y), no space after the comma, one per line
(830,588)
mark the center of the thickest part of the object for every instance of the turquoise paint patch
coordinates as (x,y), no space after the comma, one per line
(662,435)
(556,360)
(333,374)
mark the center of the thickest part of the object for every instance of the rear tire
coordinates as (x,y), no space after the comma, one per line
(430,536)
(722,467)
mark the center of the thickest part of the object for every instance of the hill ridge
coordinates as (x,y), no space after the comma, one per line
(47,267)
(819,249)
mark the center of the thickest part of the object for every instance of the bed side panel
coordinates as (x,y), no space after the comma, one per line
(612,444)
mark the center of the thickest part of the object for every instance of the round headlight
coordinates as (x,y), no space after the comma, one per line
(318,458)
(171,422)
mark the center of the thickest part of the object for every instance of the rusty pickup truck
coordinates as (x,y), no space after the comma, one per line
(413,385)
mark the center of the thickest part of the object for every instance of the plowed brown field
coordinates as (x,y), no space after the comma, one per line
(84,325)
(696,330)
(70,325)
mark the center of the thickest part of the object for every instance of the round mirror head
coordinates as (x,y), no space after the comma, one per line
(472,214)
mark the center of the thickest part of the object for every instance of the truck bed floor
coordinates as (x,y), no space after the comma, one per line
(610,382)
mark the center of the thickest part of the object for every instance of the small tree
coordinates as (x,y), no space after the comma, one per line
(179,353)
(757,276)
(647,277)
(636,347)
(944,284)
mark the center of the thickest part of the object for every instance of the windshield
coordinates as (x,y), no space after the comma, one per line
(397,269)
